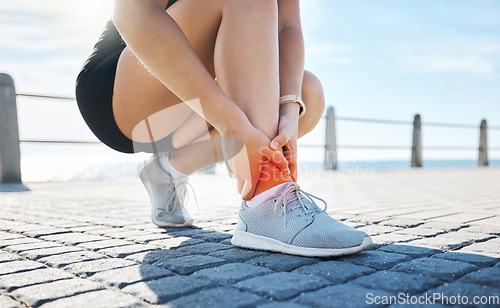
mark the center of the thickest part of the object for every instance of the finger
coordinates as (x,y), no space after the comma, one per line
(295,160)
(293,170)
(279,160)
(276,157)
(291,157)
(279,141)
(287,151)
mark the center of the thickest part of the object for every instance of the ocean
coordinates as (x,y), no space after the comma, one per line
(56,162)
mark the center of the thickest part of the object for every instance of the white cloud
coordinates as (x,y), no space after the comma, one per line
(478,57)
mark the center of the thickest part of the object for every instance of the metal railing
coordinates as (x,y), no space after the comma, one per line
(53,141)
(330,146)
(416,147)
(10,161)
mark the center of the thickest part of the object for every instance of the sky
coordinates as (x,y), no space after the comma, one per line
(383,59)
(392,59)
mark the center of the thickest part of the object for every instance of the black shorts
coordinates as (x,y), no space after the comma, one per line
(94,95)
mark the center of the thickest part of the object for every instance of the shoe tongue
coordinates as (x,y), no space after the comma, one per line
(287,186)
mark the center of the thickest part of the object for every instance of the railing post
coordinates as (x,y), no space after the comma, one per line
(330,141)
(416,148)
(483,144)
(10,155)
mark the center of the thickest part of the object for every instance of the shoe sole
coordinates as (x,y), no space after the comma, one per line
(251,241)
(161,224)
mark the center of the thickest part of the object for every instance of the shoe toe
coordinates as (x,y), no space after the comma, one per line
(326,232)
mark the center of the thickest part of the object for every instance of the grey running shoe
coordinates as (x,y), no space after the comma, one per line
(292,223)
(167,195)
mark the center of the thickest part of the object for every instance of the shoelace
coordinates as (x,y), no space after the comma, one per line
(181,194)
(291,193)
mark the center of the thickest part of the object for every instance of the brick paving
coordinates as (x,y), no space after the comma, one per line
(91,244)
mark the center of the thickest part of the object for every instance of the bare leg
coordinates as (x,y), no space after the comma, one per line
(246,62)
(138,94)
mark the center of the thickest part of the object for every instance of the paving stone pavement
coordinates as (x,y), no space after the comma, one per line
(90,243)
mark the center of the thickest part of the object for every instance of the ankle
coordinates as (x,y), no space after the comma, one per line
(166,164)
(271,176)
(264,196)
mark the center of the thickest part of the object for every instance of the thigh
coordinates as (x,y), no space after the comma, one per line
(138,94)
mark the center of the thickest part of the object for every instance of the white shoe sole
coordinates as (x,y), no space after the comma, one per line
(159,223)
(247,240)
(163,224)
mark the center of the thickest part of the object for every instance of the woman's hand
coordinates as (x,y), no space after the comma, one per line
(287,140)
(246,149)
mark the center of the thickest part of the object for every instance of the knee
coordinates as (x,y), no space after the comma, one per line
(313,95)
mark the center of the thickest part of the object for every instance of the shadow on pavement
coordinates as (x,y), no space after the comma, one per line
(200,268)
(13,187)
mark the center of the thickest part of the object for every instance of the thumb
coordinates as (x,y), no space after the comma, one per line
(278,142)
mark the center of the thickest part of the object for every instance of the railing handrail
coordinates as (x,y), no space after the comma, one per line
(371,120)
(338,118)
(59,141)
(345,146)
(343,118)
(398,122)
(398,147)
(46,96)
